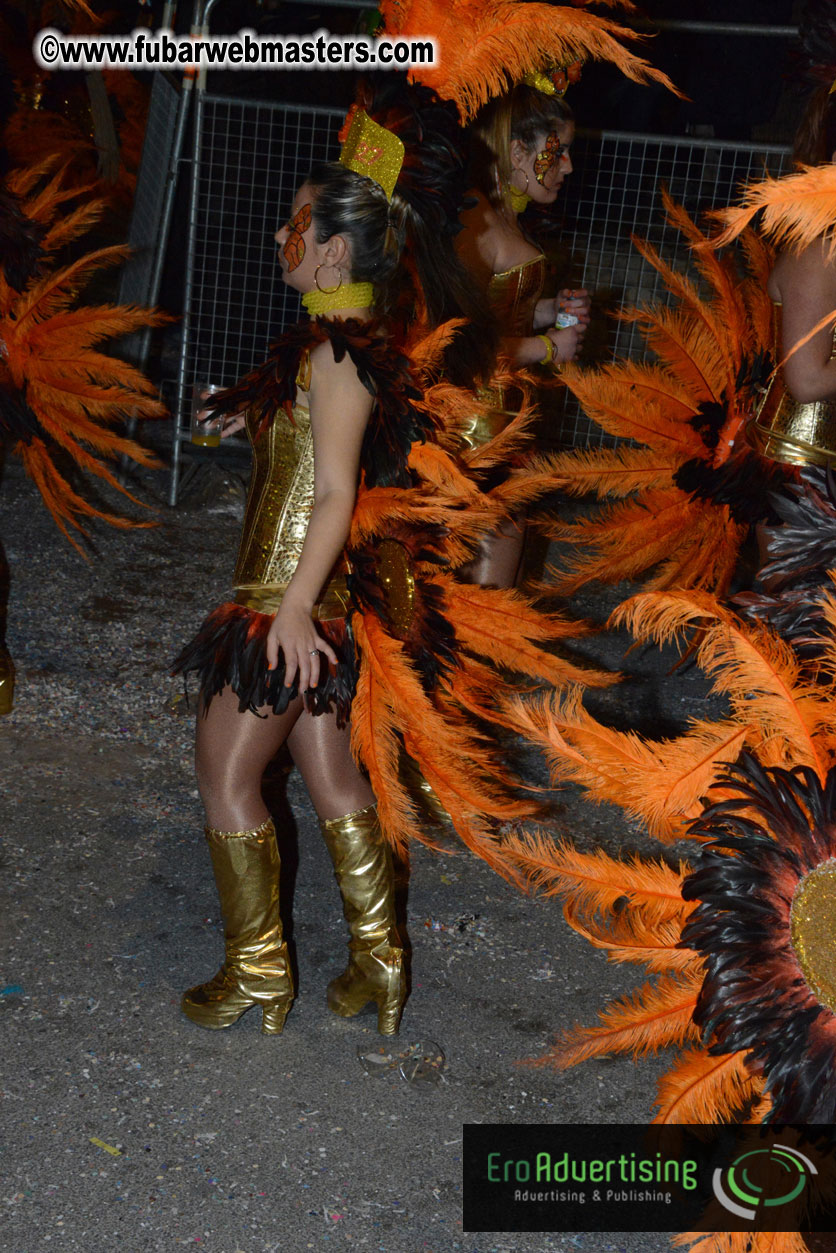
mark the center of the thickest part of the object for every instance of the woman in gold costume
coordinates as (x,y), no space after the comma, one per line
(336,404)
(522,145)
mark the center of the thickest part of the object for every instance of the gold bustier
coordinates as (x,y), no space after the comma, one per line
(280,501)
(512,295)
(788,431)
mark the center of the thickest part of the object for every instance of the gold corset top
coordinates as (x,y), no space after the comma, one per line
(786,430)
(280,501)
(513,295)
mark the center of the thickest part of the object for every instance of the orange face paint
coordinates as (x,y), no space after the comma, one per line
(294,246)
(546,160)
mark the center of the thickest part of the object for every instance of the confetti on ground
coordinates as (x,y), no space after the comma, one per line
(108,1148)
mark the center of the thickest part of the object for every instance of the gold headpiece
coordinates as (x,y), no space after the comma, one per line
(555,81)
(370,149)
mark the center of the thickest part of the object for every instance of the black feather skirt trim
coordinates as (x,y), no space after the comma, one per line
(230,650)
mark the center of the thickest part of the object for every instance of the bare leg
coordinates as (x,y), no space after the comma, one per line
(497,564)
(232,752)
(322,752)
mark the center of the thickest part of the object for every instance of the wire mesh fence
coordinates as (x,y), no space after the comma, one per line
(252,156)
(252,159)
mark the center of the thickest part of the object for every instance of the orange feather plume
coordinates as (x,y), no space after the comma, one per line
(631,937)
(742,1242)
(486,46)
(797,209)
(660,783)
(501,624)
(792,721)
(72,390)
(596,881)
(657,1016)
(390,705)
(700,1088)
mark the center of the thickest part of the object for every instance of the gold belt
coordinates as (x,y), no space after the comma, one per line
(267,597)
(786,430)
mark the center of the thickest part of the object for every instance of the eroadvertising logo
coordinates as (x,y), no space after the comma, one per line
(746,1183)
(627,1177)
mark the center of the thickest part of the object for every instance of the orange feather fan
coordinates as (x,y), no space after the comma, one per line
(679,503)
(633,908)
(73,393)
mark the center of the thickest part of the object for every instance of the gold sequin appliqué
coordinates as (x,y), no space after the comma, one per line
(813,931)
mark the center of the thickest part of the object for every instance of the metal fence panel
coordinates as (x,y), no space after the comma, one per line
(252,159)
(252,156)
(137,277)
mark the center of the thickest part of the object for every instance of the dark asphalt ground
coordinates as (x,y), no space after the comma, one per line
(127,1127)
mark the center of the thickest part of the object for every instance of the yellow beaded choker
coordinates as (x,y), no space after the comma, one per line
(349,296)
(519,199)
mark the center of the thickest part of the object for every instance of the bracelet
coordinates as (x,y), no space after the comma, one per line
(549,357)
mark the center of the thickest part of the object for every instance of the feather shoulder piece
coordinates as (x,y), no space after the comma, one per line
(398,418)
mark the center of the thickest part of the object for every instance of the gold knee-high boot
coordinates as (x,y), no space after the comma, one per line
(375,971)
(256,970)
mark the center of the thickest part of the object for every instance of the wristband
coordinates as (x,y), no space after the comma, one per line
(549,357)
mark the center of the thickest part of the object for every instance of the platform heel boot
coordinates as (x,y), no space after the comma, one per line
(256,970)
(363,868)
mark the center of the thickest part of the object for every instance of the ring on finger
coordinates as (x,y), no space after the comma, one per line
(314,652)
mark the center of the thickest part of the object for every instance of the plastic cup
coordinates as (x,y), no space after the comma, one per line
(205,430)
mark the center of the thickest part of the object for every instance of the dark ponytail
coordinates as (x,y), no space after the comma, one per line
(423,221)
(355,207)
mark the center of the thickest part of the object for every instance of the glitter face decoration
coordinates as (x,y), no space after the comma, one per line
(546,160)
(294,246)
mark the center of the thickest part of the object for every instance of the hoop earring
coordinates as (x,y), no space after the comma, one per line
(520,191)
(327,291)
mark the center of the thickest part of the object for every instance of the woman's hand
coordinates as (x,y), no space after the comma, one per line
(574,300)
(292,630)
(234,424)
(566,342)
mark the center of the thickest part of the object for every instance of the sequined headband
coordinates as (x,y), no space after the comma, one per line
(370,149)
(555,81)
